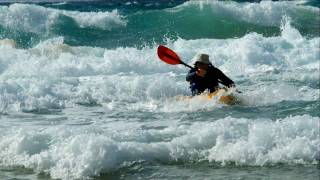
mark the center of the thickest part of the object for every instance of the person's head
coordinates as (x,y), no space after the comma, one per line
(202,61)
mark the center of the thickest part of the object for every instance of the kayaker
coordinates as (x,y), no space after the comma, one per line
(204,76)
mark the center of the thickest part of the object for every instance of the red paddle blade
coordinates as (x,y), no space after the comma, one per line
(168,56)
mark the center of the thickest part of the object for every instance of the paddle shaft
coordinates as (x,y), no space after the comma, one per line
(187,65)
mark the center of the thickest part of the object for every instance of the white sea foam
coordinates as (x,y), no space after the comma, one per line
(264,94)
(52,74)
(38,19)
(68,153)
(254,53)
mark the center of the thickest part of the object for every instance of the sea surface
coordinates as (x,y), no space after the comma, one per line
(83,94)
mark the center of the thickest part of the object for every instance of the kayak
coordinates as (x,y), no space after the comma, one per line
(221,95)
(224,97)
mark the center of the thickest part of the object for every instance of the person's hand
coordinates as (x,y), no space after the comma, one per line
(201,72)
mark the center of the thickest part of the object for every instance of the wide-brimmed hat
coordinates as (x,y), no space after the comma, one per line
(202,58)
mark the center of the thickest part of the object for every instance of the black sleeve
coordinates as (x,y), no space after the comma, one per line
(191,75)
(223,79)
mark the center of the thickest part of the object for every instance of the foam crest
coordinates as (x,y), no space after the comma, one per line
(254,53)
(266,94)
(290,34)
(282,141)
(103,20)
(68,153)
(38,19)
(60,73)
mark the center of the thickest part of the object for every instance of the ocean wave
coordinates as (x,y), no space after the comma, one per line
(267,13)
(68,153)
(53,74)
(37,19)
(28,24)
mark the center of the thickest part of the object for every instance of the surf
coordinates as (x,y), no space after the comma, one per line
(82,98)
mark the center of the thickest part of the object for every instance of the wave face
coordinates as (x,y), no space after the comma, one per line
(83,94)
(33,21)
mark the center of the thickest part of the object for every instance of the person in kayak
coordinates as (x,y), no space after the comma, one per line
(204,76)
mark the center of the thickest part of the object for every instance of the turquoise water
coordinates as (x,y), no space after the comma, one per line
(151,22)
(83,94)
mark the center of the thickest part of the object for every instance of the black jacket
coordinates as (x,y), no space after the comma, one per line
(211,80)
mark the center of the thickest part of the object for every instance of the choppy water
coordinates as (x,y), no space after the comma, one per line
(84,95)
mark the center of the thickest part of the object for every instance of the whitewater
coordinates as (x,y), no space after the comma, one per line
(83,94)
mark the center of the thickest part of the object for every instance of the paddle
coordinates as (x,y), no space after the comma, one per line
(170,57)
